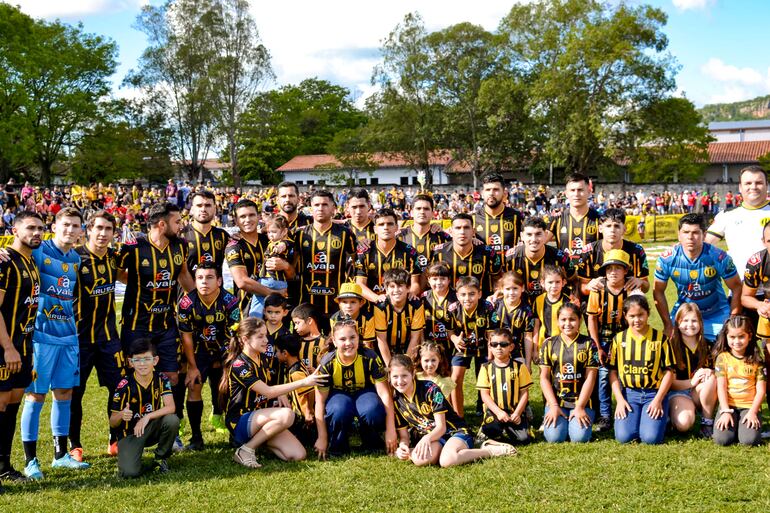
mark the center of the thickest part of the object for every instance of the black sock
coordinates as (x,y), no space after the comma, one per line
(5,450)
(215,376)
(30,450)
(76,416)
(7,431)
(178,391)
(59,446)
(195,413)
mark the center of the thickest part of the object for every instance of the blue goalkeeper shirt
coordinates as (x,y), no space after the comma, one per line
(55,321)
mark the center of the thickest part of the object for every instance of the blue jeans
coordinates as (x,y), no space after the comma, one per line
(342,408)
(257,308)
(605,392)
(568,428)
(638,425)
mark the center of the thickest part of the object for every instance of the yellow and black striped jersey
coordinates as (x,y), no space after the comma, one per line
(373,263)
(205,247)
(300,221)
(363,372)
(298,396)
(641,361)
(309,350)
(547,312)
(592,258)
(757,276)
(685,369)
(20,281)
(568,361)
(417,413)
(519,320)
(480,262)
(438,318)
(505,384)
(531,271)
(364,232)
(95,311)
(500,232)
(398,325)
(269,359)
(241,399)
(322,263)
(141,400)
(473,327)
(425,244)
(608,306)
(211,324)
(151,291)
(242,253)
(573,235)
(365,325)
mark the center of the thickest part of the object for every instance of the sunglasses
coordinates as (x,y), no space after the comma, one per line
(499,344)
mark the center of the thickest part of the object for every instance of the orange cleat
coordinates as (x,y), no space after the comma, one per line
(77,454)
(112,450)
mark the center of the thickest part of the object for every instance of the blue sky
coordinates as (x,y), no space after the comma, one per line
(719,44)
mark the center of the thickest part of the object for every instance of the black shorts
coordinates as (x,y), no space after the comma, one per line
(107,357)
(505,431)
(23,378)
(166,344)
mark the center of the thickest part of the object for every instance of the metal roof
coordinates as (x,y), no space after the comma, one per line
(737,125)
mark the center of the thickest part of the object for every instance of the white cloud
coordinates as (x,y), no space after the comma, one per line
(685,5)
(730,83)
(71,8)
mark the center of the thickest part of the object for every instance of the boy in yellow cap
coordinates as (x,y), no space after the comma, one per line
(351,302)
(605,319)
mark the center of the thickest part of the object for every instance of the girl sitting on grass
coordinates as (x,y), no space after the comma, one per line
(423,411)
(433,365)
(694,386)
(740,384)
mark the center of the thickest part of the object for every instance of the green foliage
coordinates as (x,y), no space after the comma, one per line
(756,108)
(293,120)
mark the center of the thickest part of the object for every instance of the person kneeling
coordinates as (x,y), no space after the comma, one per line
(142,411)
(422,410)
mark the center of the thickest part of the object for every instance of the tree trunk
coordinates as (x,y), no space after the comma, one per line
(234,165)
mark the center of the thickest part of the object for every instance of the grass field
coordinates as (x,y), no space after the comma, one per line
(684,474)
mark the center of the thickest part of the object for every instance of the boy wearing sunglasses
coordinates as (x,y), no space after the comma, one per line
(504,386)
(142,410)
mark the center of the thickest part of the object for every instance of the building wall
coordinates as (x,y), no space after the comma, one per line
(387,176)
(743,134)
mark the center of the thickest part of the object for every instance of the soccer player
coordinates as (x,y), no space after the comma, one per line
(437,302)
(578,225)
(420,234)
(612,226)
(497,225)
(530,258)
(19,293)
(698,270)
(245,255)
(206,316)
(386,253)
(358,207)
(741,227)
(288,200)
(322,251)
(467,259)
(96,319)
(55,343)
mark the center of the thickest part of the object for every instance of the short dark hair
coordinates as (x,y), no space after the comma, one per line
(69,212)
(493,177)
(245,203)
(613,214)
(439,269)
(305,311)
(27,214)
(101,214)
(141,345)
(160,212)
(290,343)
(424,197)
(398,276)
(359,193)
(462,217)
(386,212)
(534,222)
(275,299)
(323,193)
(208,266)
(205,193)
(467,281)
(752,169)
(696,219)
(549,269)
(293,185)
(577,177)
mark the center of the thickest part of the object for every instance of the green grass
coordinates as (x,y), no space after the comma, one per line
(684,474)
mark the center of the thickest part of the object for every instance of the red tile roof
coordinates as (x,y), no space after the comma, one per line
(747,152)
(312,162)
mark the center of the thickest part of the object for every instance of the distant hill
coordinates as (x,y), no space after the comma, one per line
(758,108)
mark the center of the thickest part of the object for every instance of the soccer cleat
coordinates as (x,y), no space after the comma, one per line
(163,467)
(603,424)
(112,449)
(707,431)
(194,445)
(32,470)
(67,461)
(77,453)
(14,476)
(218,423)
(246,457)
(178,445)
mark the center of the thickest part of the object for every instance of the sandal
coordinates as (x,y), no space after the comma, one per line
(499,449)
(246,457)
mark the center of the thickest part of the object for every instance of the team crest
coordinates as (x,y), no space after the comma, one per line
(493,228)
(508,226)
(480,323)
(576,231)
(65,267)
(321,245)
(439,315)
(534,274)
(101,268)
(694,275)
(178,259)
(336,243)
(218,244)
(163,262)
(477,268)
(421,248)
(710,272)
(209,319)
(47,261)
(479,228)
(113,264)
(461,269)
(582,356)
(206,246)
(386,266)
(591,230)
(220,317)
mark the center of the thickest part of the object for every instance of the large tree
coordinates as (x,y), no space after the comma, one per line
(293,120)
(590,68)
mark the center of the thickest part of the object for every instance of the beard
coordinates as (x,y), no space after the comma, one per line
(289,208)
(492,202)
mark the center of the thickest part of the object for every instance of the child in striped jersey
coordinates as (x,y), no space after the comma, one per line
(547,304)
(433,365)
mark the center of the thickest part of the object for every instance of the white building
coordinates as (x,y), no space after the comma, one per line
(740,131)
